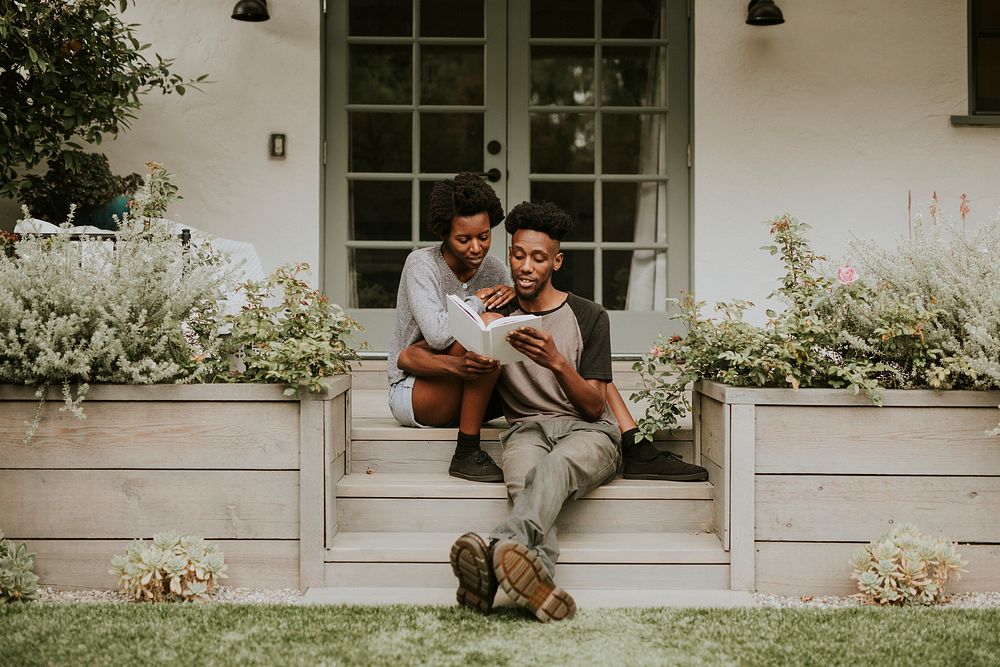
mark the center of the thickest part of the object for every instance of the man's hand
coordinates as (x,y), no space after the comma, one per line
(470,366)
(537,346)
(496,296)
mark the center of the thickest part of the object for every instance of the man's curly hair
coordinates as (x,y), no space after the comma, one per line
(466,194)
(543,217)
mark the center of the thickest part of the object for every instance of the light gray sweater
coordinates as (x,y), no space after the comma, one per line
(422,300)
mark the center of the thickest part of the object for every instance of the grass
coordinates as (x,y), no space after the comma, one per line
(275,635)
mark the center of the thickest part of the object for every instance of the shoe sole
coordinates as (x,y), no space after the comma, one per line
(474,478)
(694,477)
(471,564)
(526,582)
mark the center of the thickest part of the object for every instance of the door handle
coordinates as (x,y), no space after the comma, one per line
(493,175)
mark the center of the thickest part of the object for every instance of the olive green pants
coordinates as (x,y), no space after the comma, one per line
(545,464)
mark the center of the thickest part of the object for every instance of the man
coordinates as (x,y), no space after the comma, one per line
(433,380)
(563,441)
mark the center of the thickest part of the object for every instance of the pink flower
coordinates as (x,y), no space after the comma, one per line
(656,351)
(846,275)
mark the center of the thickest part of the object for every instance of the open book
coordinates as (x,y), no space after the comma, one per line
(489,340)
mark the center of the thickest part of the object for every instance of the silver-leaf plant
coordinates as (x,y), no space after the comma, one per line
(173,567)
(18,583)
(904,567)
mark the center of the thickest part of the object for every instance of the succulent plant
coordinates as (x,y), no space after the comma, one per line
(171,567)
(17,581)
(904,567)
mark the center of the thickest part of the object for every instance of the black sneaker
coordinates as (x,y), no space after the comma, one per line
(476,466)
(665,466)
(527,583)
(470,561)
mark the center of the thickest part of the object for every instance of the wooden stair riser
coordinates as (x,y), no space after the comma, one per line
(568,575)
(434,456)
(481,514)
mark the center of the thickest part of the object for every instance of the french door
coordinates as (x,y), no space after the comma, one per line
(583,103)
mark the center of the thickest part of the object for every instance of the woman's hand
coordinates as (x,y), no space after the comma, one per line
(496,296)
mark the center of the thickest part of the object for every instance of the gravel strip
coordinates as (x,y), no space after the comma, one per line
(226,594)
(957,601)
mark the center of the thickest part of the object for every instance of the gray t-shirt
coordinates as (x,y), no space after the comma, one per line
(422,300)
(582,334)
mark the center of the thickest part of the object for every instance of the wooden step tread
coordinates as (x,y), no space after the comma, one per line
(386,428)
(591,548)
(585,598)
(441,485)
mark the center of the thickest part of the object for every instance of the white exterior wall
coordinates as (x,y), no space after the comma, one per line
(266,79)
(831,117)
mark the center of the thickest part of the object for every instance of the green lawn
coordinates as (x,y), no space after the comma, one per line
(273,635)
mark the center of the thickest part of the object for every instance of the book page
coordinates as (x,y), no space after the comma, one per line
(465,325)
(498,330)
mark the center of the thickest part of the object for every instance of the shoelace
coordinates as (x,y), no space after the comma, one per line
(482,458)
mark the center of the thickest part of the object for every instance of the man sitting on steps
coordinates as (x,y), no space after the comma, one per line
(563,441)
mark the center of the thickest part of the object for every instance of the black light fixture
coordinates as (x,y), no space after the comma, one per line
(251,10)
(764,12)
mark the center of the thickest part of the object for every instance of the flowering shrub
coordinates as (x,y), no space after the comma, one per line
(171,567)
(903,567)
(926,315)
(77,312)
(288,332)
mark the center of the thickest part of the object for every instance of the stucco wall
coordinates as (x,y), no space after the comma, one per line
(831,117)
(266,78)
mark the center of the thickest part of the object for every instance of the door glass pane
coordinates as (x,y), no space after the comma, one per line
(562,143)
(379,74)
(380,142)
(635,19)
(389,18)
(375,276)
(451,75)
(630,207)
(451,18)
(380,210)
(577,199)
(562,18)
(577,273)
(562,75)
(642,270)
(633,76)
(451,142)
(988,74)
(632,143)
(425,198)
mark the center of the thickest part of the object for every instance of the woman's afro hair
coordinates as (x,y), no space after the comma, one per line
(543,217)
(467,194)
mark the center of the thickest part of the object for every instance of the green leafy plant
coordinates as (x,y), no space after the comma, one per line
(84,179)
(904,567)
(289,333)
(156,194)
(172,567)
(69,72)
(17,581)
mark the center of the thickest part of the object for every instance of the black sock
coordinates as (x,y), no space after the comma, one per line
(467,444)
(635,448)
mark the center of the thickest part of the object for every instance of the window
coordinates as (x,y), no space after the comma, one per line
(984,57)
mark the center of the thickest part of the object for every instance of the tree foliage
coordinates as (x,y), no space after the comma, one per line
(70,72)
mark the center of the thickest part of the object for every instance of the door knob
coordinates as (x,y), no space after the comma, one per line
(493,175)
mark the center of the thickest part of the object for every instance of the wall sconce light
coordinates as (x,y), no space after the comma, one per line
(764,12)
(251,10)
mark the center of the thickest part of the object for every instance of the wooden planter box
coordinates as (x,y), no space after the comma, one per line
(241,465)
(804,477)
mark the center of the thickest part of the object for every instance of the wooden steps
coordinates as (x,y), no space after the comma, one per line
(628,543)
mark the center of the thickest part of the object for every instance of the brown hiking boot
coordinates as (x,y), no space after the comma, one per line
(526,581)
(470,561)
